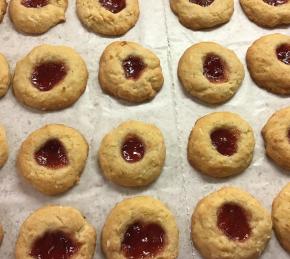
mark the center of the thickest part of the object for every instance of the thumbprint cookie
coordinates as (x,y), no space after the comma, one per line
(202,14)
(3,7)
(210,72)
(108,17)
(276,133)
(52,158)
(130,72)
(3,147)
(140,227)
(4,76)
(268,62)
(37,16)
(50,78)
(56,232)
(230,224)
(267,13)
(132,154)
(221,144)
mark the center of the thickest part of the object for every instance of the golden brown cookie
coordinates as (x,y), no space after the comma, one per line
(281,217)
(52,158)
(202,14)
(4,76)
(268,62)
(3,147)
(108,17)
(1,234)
(50,78)
(221,144)
(210,72)
(37,16)
(276,135)
(267,13)
(57,231)
(130,72)
(132,154)
(3,6)
(230,224)
(140,226)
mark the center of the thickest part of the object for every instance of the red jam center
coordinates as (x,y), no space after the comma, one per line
(213,68)
(133,149)
(233,222)
(34,3)
(52,155)
(225,141)
(114,6)
(203,3)
(54,245)
(283,53)
(133,67)
(275,2)
(45,76)
(143,240)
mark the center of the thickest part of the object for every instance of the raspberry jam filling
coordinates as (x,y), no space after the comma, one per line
(275,2)
(214,68)
(34,3)
(46,75)
(133,67)
(133,149)
(232,220)
(225,141)
(56,244)
(143,240)
(203,3)
(283,53)
(52,155)
(114,6)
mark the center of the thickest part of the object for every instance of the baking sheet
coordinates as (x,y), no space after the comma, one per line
(173,111)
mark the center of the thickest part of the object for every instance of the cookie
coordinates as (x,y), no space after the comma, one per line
(3,147)
(3,6)
(50,78)
(221,144)
(108,17)
(37,16)
(52,158)
(281,217)
(268,62)
(132,154)
(202,14)
(276,134)
(210,72)
(267,13)
(140,226)
(1,234)
(230,224)
(56,232)
(4,76)
(130,72)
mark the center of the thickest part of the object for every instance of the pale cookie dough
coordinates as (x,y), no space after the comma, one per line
(192,73)
(4,76)
(52,219)
(264,66)
(267,13)
(276,134)
(204,155)
(39,17)
(45,177)
(281,217)
(3,147)
(213,243)
(64,93)
(141,209)
(112,75)
(195,16)
(99,19)
(142,172)
(3,6)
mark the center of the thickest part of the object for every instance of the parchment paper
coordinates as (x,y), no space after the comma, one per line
(173,111)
